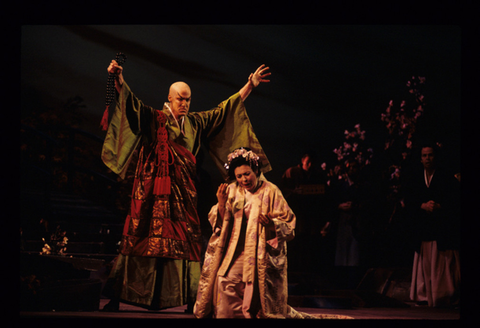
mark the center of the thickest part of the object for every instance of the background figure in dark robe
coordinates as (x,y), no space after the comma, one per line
(305,188)
(350,228)
(432,201)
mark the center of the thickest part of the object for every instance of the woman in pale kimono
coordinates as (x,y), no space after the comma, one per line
(244,274)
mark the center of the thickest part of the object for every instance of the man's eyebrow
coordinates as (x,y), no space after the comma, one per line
(180,96)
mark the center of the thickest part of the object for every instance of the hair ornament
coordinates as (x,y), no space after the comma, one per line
(249,155)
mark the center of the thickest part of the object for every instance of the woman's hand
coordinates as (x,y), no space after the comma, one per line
(266,221)
(222,194)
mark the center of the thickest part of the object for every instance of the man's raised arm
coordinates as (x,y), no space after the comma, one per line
(253,81)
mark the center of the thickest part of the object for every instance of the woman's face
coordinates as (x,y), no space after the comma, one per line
(246,177)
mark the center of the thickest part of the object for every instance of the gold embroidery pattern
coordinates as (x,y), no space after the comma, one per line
(157,226)
(143,174)
(167,248)
(155,220)
(133,226)
(161,208)
(139,190)
(194,230)
(127,244)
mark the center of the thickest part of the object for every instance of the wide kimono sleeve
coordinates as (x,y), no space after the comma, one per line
(226,128)
(129,122)
(282,216)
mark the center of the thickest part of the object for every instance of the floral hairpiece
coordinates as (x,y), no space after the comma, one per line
(249,155)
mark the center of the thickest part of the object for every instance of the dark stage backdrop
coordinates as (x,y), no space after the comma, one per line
(325,79)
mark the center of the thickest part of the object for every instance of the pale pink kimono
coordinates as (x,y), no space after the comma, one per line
(435,276)
(252,282)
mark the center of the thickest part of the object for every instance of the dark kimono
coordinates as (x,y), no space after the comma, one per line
(436,238)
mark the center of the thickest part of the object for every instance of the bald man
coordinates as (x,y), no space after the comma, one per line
(179,97)
(160,250)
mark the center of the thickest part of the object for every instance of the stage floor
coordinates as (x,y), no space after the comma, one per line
(133,312)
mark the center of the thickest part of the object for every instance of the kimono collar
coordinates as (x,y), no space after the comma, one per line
(428,180)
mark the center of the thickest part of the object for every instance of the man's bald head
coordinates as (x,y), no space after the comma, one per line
(179,87)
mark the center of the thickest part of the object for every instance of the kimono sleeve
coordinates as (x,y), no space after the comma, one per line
(215,219)
(124,133)
(228,127)
(282,216)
